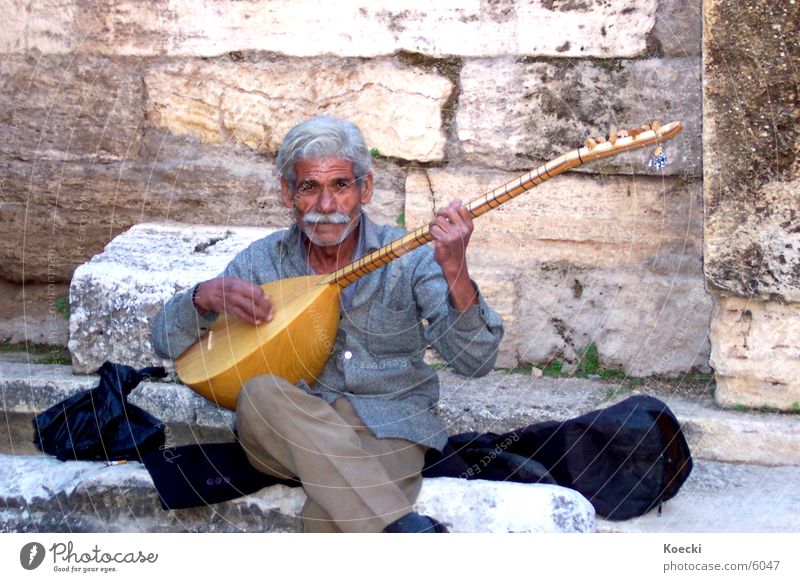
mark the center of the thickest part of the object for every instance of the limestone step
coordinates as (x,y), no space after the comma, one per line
(42,494)
(39,493)
(757,488)
(498,402)
(724,498)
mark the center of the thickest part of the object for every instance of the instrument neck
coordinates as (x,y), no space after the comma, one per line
(365,265)
(384,255)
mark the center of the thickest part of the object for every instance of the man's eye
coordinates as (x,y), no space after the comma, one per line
(305,187)
(342,184)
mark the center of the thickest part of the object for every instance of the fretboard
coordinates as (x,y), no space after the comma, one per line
(397,248)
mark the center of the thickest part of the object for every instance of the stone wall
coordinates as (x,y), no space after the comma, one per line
(123,111)
(752,199)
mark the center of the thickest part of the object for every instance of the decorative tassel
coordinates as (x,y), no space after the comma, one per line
(659,159)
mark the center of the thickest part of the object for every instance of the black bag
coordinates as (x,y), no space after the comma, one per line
(624,459)
(99,424)
(198,475)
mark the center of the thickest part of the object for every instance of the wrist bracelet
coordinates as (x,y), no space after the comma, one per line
(194,296)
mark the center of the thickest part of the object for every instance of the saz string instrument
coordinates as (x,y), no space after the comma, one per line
(296,344)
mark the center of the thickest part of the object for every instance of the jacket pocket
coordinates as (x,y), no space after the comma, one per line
(393,332)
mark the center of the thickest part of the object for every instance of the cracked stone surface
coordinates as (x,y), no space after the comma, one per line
(573,261)
(44,494)
(751,145)
(756,353)
(724,498)
(184,28)
(498,402)
(398,108)
(548,108)
(113,296)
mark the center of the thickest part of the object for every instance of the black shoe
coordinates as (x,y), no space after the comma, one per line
(415,523)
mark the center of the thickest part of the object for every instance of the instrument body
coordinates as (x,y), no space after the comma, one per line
(296,344)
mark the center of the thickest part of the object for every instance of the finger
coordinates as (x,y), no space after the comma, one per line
(439,228)
(242,305)
(267,308)
(457,227)
(463,212)
(252,299)
(448,210)
(456,219)
(243,314)
(456,212)
(261,307)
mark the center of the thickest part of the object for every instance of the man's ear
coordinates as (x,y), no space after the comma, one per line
(287,196)
(366,190)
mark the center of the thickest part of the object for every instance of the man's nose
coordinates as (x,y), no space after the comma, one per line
(327,200)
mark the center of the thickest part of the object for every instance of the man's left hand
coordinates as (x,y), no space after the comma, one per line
(451,229)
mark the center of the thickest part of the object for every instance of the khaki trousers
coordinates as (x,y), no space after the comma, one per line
(354,481)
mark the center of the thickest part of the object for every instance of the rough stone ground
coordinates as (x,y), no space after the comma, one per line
(746,476)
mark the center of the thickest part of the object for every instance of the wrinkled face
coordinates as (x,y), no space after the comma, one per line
(326,199)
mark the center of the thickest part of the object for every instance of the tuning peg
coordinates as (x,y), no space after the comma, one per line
(634,132)
(590,143)
(645,127)
(656,125)
(600,139)
(612,137)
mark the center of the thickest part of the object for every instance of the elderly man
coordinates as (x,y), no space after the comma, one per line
(357,437)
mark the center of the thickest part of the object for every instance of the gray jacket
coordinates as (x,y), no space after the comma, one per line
(377,361)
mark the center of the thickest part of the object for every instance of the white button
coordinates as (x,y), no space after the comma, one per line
(348,354)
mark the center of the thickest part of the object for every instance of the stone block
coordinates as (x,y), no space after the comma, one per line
(349,28)
(114,295)
(516,115)
(616,262)
(641,323)
(724,499)
(46,26)
(71,107)
(398,108)
(499,402)
(491,506)
(678,31)
(30,313)
(34,388)
(755,353)
(45,495)
(751,138)
(58,215)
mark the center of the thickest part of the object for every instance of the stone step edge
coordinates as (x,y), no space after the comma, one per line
(43,492)
(497,402)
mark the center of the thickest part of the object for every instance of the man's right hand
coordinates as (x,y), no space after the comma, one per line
(235,296)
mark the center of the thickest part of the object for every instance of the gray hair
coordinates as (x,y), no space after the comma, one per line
(324,137)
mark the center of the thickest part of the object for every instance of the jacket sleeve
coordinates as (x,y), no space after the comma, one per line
(178,325)
(467,340)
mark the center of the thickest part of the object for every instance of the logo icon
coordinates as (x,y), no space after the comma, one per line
(31,555)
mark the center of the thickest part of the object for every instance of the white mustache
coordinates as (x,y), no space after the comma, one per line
(320,218)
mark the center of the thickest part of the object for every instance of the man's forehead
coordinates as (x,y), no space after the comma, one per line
(324,167)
